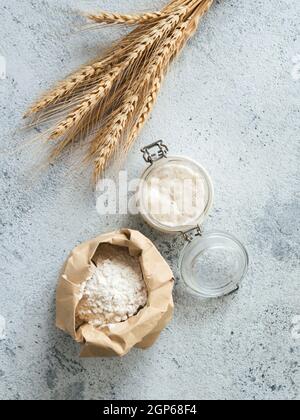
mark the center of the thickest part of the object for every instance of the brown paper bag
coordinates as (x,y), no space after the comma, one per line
(141,330)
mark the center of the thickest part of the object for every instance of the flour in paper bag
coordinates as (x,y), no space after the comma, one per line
(115,292)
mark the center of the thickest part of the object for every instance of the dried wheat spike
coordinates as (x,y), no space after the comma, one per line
(114,96)
(108,139)
(124,19)
(91,72)
(144,115)
(64,88)
(169,49)
(93,98)
(87,105)
(129,19)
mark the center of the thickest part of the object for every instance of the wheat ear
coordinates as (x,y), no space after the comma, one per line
(159,64)
(109,137)
(116,94)
(88,104)
(151,97)
(128,19)
(144,115)
(92,99)
(124,19)
(84,77)
(66,87)
(87,73)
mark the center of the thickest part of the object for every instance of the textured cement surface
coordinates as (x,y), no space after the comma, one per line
(232,102)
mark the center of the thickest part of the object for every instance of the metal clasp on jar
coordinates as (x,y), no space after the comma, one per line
(151,156)
(190,235)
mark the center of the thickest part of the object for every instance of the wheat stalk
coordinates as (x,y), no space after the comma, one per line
(111,99)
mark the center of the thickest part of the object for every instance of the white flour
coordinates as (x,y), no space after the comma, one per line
(115,292)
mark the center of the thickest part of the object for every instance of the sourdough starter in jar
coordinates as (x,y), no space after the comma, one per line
(175,193)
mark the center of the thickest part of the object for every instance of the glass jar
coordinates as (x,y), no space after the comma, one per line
(211,264)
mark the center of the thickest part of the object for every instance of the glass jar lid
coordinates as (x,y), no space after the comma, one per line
(175,193)
(213,264)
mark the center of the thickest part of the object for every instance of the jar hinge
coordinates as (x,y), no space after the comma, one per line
(150,156)
(190,235)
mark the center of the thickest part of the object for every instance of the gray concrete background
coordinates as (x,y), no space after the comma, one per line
(232,102)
